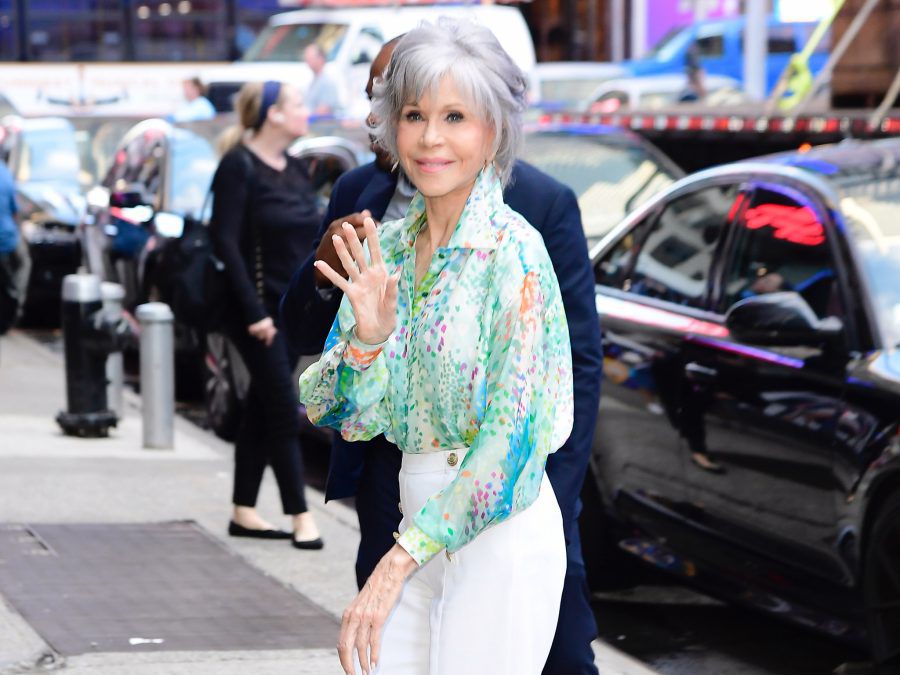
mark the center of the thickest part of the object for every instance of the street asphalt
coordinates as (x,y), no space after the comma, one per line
(46,477)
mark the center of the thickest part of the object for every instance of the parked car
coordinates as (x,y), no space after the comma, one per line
(565,85)
(159,179)
(43,159)
(611,170)
(156,168)
(658,91)
(748,440)
(719,44)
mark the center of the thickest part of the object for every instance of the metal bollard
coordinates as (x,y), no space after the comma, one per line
(157,374)
(86,347)
(113,295)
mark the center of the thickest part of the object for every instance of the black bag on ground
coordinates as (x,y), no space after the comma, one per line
(200,291)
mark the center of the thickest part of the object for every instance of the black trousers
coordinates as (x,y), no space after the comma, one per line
(270,426)
(377,507)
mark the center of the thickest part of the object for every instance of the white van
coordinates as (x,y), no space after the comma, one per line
(350,38)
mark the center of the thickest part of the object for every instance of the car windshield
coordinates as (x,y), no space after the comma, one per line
(287,42)
(193,164)
(49,155)
(669,44)
(610,175)
(874,218)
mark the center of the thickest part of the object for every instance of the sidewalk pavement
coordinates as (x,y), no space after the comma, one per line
(46,477)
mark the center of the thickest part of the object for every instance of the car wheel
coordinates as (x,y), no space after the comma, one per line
(225,386)
(881,586)
(608,567)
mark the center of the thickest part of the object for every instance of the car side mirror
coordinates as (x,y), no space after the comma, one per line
(782,319)
(126,199)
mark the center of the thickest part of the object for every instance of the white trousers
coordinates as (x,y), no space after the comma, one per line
(492,606)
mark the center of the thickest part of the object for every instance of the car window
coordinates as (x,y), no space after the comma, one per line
(610,174)
(367,45)
(674,261)
(781,245)
(871,210)
(49,154)
(287,42)
(137,166)
(193,163)
(710,46)
(612,270)
(781,40)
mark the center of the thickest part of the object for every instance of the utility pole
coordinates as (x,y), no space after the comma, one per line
(755,48)
(617,29)
(638,28)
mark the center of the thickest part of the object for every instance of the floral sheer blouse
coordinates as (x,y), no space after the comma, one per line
(480,359)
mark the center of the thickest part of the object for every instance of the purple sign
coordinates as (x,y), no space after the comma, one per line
(664,15)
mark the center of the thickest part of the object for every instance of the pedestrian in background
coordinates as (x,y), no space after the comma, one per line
(469,373)
(264,223)
(198,107)
(14,261)
(368,470)
(324,94)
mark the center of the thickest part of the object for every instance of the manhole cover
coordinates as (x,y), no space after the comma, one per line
(149,586)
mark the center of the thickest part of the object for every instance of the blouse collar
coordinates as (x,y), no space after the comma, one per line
(475,229)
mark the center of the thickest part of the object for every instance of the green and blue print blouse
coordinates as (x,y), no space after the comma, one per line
(480,358)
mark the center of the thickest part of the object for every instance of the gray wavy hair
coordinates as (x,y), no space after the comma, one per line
(481,69)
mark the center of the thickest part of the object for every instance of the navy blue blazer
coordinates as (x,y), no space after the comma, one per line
(552,209)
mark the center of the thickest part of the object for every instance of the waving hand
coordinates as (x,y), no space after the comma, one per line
(371,290)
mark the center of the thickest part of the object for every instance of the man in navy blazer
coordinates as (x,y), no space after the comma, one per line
(369,469)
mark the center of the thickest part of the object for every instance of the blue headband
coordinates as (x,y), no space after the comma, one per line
(270,92)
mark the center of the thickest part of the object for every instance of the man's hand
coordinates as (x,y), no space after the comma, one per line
(326,250)
(263,330)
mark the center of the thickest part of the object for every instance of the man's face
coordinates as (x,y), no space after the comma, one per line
(313,59)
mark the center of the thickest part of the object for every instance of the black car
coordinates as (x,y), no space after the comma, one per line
(44,161)
(749,431)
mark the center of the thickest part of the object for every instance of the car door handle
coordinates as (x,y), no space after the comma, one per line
(697,373)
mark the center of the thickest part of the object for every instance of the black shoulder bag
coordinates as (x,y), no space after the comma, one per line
(200,293)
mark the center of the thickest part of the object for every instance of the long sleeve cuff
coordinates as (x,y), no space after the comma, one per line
(419,545)
(360,355)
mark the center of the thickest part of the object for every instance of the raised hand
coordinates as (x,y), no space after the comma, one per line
(370,288)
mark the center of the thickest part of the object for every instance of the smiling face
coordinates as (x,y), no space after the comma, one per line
(443,144)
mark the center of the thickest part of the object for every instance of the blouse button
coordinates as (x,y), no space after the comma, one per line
(452,459)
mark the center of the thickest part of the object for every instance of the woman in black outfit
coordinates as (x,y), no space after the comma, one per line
(264,222)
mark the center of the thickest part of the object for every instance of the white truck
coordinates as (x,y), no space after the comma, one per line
(350,38)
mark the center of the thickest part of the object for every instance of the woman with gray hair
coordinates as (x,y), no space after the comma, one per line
(452,340)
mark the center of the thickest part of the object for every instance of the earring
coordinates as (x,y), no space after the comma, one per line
(396,164)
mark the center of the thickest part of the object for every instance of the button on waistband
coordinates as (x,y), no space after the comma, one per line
(452,459)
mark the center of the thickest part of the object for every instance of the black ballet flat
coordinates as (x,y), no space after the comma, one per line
(308,544)
(236,530)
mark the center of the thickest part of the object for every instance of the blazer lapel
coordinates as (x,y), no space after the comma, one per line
(377,194)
